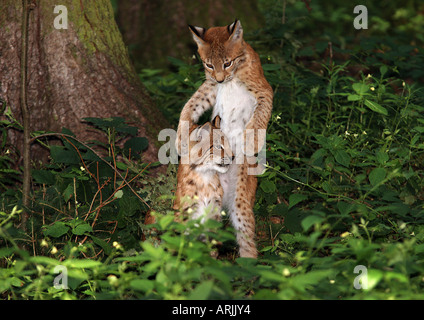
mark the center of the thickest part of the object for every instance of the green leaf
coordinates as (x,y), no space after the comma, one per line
(383,70)
(67,193)
(165,221)
(294,199)
(81,263)
(360,88)
(128,204)
(116,123)
(61,155)
(103,244)
(303,281)
(44,260)
(82,228)
(43,176)
(377,176)
(342,157)
(267,186)
(136,144)
(374,106)
(56,230)
(345,208)
(202,291)
(309,221)
(373,278)
(4,252)
(382,157)
(143,285)
(353,97)
(118,194)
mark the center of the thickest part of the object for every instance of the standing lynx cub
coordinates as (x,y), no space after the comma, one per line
(236,89)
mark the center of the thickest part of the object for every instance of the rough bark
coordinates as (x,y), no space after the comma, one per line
(83,71)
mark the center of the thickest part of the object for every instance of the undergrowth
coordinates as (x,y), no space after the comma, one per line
(343,186)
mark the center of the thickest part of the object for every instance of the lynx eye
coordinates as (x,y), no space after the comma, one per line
(209,66)
(228,64)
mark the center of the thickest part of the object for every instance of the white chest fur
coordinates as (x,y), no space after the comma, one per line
(235,105)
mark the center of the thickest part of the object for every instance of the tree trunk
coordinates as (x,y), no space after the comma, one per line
(81,71)
(154,30)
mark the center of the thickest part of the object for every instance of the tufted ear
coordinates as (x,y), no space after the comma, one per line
(201,132)
(198,34)
(236,31)
(217,122)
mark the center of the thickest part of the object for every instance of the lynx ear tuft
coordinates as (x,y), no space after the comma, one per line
(235,30)
(198,34)
(203,131)
(217,122)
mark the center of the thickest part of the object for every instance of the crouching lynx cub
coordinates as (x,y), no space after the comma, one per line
(236,89)
(198,185)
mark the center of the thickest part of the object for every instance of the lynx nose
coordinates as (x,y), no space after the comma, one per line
(220,77)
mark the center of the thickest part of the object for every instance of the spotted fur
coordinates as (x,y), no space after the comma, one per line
(199,191)
(236,89)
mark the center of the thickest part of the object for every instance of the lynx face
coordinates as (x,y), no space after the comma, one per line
(209,148)
(221,50)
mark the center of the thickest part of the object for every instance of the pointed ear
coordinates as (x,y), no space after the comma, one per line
(236,31)
(203,131)
(217,122)
(198,34)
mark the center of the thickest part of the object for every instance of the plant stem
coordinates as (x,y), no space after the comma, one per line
(25,115)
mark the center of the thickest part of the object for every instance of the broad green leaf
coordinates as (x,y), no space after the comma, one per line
(267,186)
(136,144)
(82,228)
(43,176)
(360,88)
(103,244)
(56,230)
(377,176)
(353,97)
(202,291)
(374,106)
(295,198)
(309,221)
(4,252)
(81,263)
(165,221)
(118,194)
(61,155)
(342,157)
(382,157)
(143,285)
(303,281)
(44,260)
(373,278)
(68,192)
(345,208)
(383,70)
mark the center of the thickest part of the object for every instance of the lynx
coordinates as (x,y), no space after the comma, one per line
(198,185)
(236,89)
